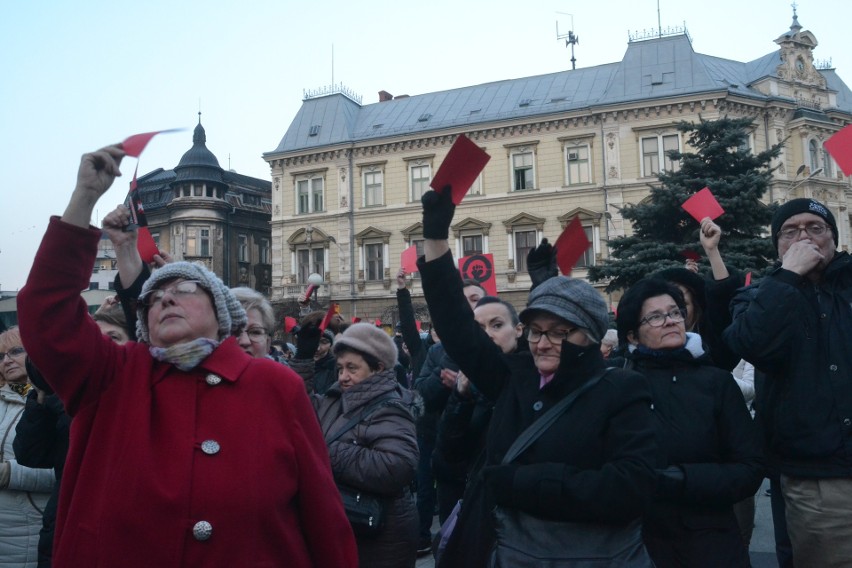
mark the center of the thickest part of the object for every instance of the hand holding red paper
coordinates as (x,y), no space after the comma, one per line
(703,204)
(408,259)
(840,148)
(460,168)
(571,245)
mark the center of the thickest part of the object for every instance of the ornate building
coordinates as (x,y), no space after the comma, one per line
(200,212)
(348,177)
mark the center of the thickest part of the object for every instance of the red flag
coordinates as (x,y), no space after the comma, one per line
(145,242)
(289,324)
(460,168)
(571,245)
(133,145)
(703,204)
(480,267)
(840,148)
(332,309)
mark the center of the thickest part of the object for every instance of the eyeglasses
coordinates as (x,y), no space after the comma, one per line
(812,229)
(182,288)
(658,320)
(555,337)
(255,334)
(13,352)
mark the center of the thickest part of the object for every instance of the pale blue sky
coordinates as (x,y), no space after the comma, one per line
(79,75)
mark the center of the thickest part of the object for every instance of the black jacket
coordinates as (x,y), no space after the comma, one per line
(800,334)
(705,430)
(594,464)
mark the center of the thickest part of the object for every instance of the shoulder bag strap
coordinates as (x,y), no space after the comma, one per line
(363,415)
(537,428)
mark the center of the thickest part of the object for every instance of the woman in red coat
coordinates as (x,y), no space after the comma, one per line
(185,451)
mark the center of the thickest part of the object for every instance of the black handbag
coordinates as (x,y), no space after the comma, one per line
(526,541)
(366,511)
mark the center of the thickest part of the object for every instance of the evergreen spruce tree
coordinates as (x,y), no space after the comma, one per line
(663,231)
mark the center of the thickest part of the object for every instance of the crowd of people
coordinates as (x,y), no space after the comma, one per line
(169,428)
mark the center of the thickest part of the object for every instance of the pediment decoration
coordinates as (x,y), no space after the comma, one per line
(413,230)
(586,216)
(471,224)
(372,233)
(299,237)
(525,220)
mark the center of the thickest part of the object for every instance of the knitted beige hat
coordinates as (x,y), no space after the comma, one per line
(367,338)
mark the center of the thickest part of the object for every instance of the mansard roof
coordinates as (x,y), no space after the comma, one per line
(651,70)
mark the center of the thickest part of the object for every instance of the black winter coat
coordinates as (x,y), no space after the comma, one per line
(594,464)
(705,429)
(799,334)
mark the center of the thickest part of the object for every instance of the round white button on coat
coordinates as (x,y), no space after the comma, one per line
(202,530)
(210,447)
(213,380)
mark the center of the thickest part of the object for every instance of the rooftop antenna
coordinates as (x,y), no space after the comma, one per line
(659,20)
(570,38)
(332,64)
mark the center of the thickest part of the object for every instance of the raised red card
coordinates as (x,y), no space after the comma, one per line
(133,145)
(464,162)
(748,279)
(408,259)
(703,204)
(840,148)
(289,324)
(571,245)
(332,309)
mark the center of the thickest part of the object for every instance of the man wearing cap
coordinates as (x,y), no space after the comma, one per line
(796,326)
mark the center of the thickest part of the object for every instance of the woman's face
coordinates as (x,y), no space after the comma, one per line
(546,353)
(322,348)
(670,335)
(181,318)
(352,369)
(254,339)
(14,370)
(497,322)
(114,332)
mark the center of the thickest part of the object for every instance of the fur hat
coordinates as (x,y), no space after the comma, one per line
(802,205)
(229,313)
(367,338)
(572,300)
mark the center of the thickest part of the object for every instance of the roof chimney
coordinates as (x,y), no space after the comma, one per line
(385,96)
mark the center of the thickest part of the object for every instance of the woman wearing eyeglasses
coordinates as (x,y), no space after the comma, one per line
(184,450)
(255,339)
(24,491)
(587,476)
(710,453)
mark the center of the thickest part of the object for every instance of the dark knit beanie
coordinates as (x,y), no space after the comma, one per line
(367,338)
(802,205)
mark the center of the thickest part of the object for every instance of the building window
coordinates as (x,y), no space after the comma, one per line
(655,152)
(476,187)
(373,261)
(373,194)
(578,165)
(197,241)
(309,195)
(588,258)
(826,163)
(525,241)
(309,261)
(523,175)
(420,176)
(242,248)
(94,285)
(264,251)
(471,244)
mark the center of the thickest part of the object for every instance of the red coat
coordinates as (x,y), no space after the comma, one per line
(143,473)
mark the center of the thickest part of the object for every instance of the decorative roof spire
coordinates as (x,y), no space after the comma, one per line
(795,27)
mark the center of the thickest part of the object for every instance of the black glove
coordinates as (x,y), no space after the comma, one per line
(36,378)
(500,481)
(307,341)
(541,263)
(438,211)
(670,483)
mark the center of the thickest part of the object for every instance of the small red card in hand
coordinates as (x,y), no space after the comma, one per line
(408,259)
(146,246)
(332,309)
(460,168)
(703,204)
(690,255)
(571,245)
(840,148)
(133,145)
(289,324)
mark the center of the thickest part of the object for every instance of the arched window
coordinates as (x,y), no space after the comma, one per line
(826,163)
(814,154)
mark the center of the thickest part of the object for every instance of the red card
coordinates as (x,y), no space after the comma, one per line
(133,145)
(378,322)
(408,260)
(418,324)
(480,267)
(460,168)
(748,279)
(146,246)
(571,245)
(703,204)
(289,324)
(355,319)
(332,309)
(840,148)
(690,255)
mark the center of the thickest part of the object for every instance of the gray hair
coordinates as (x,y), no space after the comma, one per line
(252,299)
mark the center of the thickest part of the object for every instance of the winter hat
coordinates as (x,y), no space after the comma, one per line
(573,300)
(369,339)
(802,205)
(229,313)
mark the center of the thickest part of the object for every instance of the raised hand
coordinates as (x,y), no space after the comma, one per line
(438,211)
